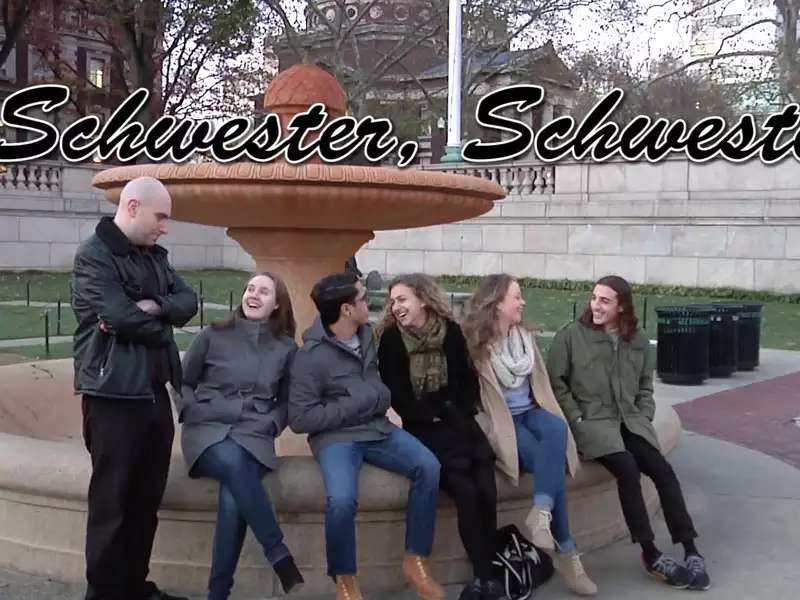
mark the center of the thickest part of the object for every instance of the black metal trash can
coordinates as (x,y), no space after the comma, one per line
(749,333)
(683,343)
(723,341)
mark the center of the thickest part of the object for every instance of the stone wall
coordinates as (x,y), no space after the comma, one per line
(47,209)
(674,222)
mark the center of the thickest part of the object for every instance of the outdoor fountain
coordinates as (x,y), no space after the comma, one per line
(302,222)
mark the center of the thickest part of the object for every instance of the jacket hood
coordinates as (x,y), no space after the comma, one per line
(318,333)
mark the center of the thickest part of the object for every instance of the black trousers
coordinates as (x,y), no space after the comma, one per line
(130,443)
(641,457)
(468,477)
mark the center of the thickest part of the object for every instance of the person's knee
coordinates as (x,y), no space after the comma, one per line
(554,427)
(461,487)
(226,505)
(626,470)
(233,462)
(661,472)
(342,505)
(427,469)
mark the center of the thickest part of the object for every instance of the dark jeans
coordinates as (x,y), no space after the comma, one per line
(242,501)
(641,457)
(340,463)
(130,443)
(468,477)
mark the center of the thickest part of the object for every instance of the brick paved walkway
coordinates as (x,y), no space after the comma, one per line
(760,416)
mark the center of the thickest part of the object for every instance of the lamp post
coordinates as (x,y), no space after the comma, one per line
(453,150)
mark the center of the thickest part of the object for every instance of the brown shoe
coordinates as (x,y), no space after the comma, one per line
(571,569)
(418,574)
(347,588)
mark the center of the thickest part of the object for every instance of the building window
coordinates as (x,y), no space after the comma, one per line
(729,21)
(97,69)
(351,12)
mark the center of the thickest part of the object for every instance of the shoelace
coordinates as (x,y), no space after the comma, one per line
(345,590)
(695,564)
(544,520)
(421,568)
(666,565)
(577,565)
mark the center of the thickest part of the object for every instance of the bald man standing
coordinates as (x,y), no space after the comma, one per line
(126,299)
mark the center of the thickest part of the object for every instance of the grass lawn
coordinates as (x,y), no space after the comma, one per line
(27,322)
(550,309)
(64,349)
(48,286)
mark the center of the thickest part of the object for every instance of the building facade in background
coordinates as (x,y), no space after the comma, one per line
(718,28)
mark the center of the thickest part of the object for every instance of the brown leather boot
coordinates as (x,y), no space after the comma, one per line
(418,574)
(347,588)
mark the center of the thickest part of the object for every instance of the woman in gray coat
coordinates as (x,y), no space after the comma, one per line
(233,405)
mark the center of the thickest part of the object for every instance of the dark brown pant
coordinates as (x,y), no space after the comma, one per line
(130,442)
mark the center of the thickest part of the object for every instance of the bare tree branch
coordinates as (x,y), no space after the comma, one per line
(709,59)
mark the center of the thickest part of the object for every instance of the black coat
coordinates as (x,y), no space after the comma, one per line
(444,419)
(109,276)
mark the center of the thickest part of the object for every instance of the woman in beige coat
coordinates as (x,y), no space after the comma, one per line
(522,420)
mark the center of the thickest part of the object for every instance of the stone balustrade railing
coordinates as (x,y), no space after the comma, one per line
(41,176)
(518,178)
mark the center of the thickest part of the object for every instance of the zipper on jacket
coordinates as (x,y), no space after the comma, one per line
(105,359)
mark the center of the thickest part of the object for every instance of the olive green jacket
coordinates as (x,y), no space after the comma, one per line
(600,388)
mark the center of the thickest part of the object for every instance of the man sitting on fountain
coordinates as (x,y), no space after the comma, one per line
(126,299)
(338,399)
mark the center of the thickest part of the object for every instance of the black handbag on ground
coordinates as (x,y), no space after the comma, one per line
(519,565)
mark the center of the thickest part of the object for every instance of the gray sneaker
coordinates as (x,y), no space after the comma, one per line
(696,565)
(670,571)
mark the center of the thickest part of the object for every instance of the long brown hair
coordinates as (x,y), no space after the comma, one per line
(480,322)
(628,323)
(281,321)
(424,288)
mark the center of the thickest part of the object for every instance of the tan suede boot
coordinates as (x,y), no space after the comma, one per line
(538,521)
(347,588)
(571,569)
(418,573)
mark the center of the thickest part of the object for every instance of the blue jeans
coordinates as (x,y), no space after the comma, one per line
(542,448)
(340,463)
(242,501)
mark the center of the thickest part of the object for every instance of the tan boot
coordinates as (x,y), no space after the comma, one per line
(571,569)
(418,573)
(538,521)
(347,588)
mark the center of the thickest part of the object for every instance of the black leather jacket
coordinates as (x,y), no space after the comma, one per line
(107,281)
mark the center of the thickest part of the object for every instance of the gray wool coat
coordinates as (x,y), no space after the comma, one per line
(235,384)
(336,394)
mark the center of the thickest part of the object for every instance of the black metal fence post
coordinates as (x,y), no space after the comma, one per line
(644,325)
(47,333)
(58,316)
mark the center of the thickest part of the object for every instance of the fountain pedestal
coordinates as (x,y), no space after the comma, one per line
(301,257)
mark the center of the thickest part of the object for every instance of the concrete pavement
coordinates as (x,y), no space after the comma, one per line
(744,503)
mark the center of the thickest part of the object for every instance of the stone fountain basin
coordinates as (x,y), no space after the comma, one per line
(44,476)
(311,196)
